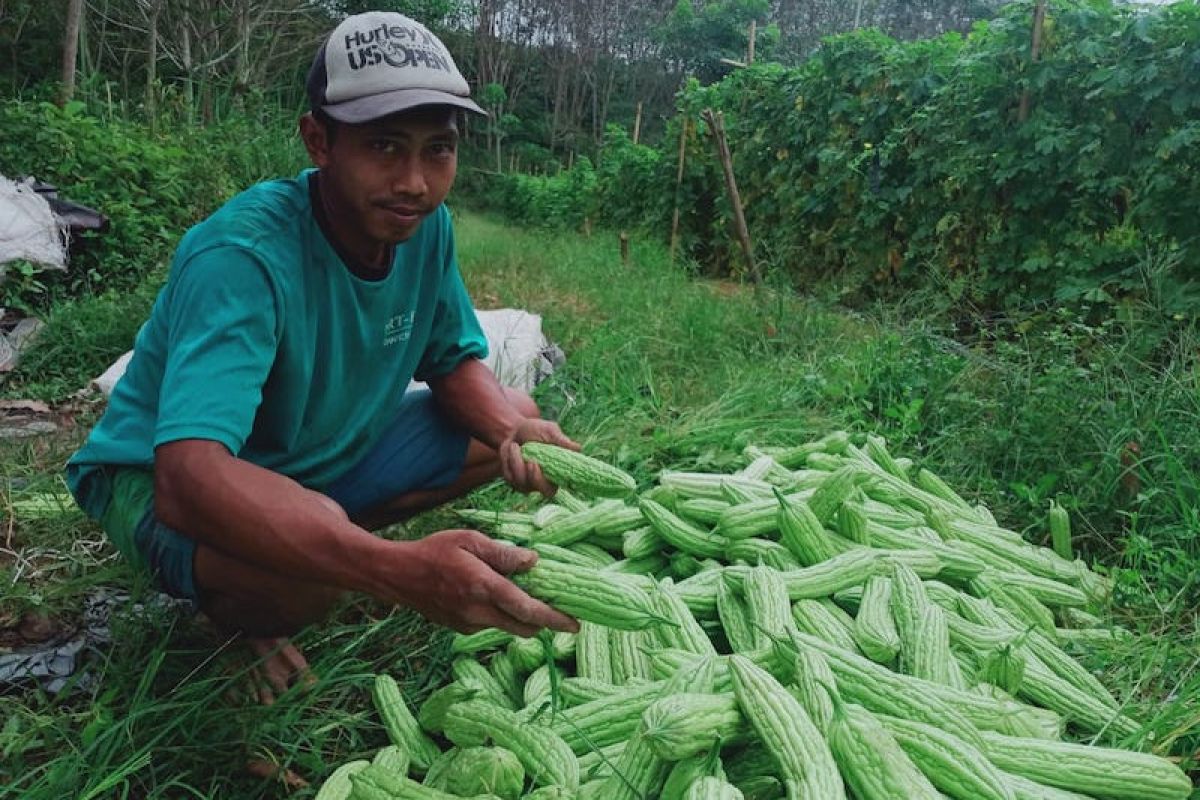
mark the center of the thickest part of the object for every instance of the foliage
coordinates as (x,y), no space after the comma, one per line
(83,336)
(564,200)
(430,12)
(698,39)
(885,159)
(881,165)
(151,186)
(626,170)
(569,68)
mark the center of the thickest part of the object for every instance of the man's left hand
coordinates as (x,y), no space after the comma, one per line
(525,476)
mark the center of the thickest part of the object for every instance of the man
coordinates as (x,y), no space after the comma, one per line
(262,426)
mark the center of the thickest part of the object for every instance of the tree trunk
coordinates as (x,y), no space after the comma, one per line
(557,112)
(241,71)
(189,87)
(152,68)
(610,84)
(71,50)
(207,113)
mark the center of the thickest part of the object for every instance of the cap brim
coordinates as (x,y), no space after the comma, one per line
(367,109)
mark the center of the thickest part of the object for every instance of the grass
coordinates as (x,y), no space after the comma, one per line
(80,340)
(662,370)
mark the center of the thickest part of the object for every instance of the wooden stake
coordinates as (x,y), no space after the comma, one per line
(716,123)
(624,248)
(1039,22)
(753,31)
(637,123)
(678,183)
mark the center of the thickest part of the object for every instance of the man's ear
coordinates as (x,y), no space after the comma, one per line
(316,140)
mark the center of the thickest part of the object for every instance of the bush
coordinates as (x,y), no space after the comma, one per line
(151,186)
(891,161)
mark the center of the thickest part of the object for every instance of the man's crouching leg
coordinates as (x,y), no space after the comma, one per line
(481,465)
(266,607)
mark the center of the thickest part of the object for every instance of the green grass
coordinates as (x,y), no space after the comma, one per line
(662,370)
(82,337)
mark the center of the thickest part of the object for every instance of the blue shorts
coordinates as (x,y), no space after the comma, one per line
(420,450)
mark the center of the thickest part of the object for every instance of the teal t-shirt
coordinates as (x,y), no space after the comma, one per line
(266,340)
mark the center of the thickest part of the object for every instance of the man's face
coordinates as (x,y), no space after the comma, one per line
(381,179)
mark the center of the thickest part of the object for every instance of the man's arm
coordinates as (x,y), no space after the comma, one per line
(474,399)
(455,578)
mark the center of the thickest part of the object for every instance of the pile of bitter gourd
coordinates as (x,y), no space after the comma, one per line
(826,622)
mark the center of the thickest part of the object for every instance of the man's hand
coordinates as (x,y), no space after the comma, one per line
(457,578)
(525,476)
(499,417)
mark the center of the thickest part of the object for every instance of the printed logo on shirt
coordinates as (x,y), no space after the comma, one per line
(398,328)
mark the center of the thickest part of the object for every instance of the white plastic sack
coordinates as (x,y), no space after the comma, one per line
(28,228)
(518,353)
(108,380)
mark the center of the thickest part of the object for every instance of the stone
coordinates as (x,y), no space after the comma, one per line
(26,331)
(8,354)
(25,429)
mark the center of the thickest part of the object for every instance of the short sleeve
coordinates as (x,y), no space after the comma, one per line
(456,334)
(221,343)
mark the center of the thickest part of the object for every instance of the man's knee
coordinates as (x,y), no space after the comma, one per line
(522,402)
(332,505)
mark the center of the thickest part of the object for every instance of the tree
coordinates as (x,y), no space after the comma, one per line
(701,40)
(492,97)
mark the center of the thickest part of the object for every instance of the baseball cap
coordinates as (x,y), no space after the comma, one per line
(381,62)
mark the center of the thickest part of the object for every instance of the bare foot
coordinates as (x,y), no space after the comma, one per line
(280,666)
(262,768)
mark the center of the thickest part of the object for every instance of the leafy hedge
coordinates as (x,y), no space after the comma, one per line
(151,186)
(881,163)
(616,192)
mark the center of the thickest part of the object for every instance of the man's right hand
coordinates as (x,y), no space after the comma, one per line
(458,578)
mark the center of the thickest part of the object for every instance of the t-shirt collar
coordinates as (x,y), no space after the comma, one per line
(356,266)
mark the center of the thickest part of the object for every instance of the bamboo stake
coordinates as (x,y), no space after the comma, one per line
(637,123)
(678,183)
(716,123)
(753,31)
(1039,22)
